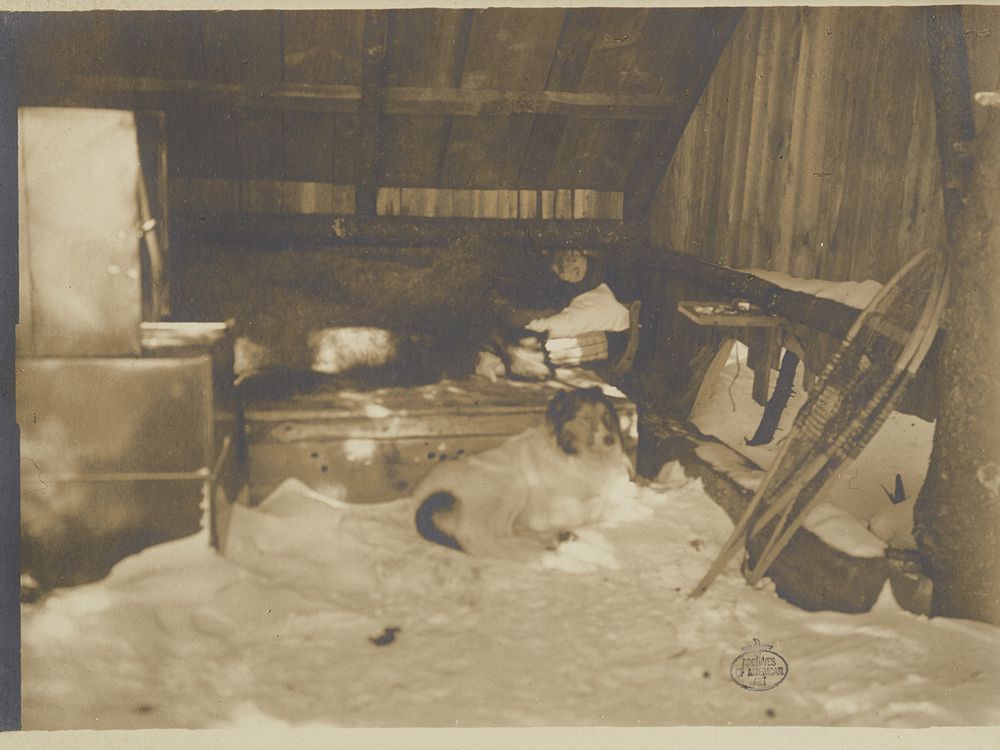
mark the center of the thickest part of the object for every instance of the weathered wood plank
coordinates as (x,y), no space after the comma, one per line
(576,38)
(323,47)
(116,91)
(429,51)
(262,195)
(648,170)
(463,102)
(509,51)
(527,204)
(243,47)
(309,146)
(659,56)
(207,195)
(564,204)
(161,44)
(462,202)
(506,204)
(368,156)
(757,246)
(547,204)
(589,153)
(152,93)
(388,202)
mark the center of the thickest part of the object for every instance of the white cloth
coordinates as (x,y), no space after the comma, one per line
(596,310)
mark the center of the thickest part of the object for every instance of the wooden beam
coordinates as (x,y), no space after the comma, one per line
(952,87)
(170,93)
(370,126)
(569,61)
(283,231)
(828,316)
(163,93)
(412,100)
(460,50)
(715,29)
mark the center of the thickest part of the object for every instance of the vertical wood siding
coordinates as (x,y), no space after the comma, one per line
(812,151)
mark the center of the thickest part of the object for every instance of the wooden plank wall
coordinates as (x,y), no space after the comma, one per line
(813,150)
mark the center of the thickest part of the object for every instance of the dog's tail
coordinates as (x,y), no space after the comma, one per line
(436,503)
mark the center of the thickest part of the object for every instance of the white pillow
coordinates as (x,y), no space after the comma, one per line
(596,310)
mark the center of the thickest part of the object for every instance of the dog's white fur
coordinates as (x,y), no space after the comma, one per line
(515,501)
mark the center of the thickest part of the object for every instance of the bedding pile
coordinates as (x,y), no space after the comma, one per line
(321,613)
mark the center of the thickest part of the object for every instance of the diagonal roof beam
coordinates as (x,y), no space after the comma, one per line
(461,50)
(375,44)
(714,30)
(569,61)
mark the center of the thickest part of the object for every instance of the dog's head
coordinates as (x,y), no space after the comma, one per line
(584,421)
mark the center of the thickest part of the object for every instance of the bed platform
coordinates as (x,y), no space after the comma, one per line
(373,445)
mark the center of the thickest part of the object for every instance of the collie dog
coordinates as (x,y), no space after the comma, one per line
(527,495)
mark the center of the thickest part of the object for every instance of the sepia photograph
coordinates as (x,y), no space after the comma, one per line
(522,366)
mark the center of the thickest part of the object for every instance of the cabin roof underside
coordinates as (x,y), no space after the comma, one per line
(492,98)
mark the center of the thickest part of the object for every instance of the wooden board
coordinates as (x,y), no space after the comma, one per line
(727,315)
(569,60)
(509,48)
(322,46)
(814,187)
(427,48)
(371,446)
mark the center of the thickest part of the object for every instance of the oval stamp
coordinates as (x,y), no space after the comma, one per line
(758,667)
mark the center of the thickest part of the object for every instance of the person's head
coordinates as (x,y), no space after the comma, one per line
(569,265)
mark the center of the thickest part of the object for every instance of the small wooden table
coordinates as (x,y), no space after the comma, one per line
(763,346)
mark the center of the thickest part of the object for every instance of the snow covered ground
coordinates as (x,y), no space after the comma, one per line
(282,630)
(902,446)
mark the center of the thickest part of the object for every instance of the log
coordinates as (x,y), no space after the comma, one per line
(950,82)
(284,231)
(808,573)
(828,316)
(956,517)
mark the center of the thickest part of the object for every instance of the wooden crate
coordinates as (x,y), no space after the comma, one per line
(374,446)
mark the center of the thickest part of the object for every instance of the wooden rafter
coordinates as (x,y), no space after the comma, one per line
(714,31)
(158,93)
(461,49)
(569,60)
(370,110)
